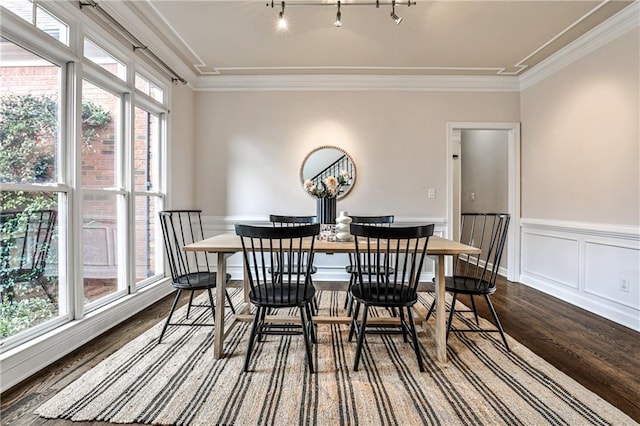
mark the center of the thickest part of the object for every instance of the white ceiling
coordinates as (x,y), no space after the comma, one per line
(472,38)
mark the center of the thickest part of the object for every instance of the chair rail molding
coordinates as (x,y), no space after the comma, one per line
(591,265)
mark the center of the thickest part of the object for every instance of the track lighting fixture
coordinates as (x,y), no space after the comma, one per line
(338,22)
(282,23)
(395,17)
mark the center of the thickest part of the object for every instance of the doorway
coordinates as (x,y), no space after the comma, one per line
(463,195)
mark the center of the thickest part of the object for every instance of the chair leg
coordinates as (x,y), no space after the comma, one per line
(348,301)
(189,306)
(361,337)
(173,308)
(475,311)
(233,310)
(311,325)
(252,336)
(451,312)
(495,317)
(414,336)
(403,324)
(307,338)
(433,305)
(354,321)
(263,313)
(213,306)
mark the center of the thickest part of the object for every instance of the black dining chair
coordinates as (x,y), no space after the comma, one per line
(190,271)
(24,249)
(403,249)
(292,248)
(288,221)
(476,275)
(383,220)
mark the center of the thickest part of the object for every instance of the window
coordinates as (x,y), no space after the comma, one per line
(102,193)
(100,158)
(44,20)
(146,176)
(148,88)
(32,285)
(100,57)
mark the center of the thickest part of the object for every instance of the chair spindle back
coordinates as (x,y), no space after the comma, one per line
(290,247)
(180,228)
(398,253)
(488,232)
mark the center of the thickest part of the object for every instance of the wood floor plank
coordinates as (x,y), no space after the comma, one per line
(599,354)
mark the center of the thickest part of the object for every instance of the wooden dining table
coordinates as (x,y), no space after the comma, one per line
(225,245)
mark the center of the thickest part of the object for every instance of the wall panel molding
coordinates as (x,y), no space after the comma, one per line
(602,261)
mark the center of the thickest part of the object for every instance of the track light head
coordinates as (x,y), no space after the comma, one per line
(397,19)
(282,22)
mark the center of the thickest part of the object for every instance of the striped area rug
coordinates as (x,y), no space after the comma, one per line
(179,382)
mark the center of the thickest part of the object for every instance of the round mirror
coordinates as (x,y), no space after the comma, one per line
(327,161)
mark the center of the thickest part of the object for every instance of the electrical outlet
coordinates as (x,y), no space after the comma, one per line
(624,284)
(431,193)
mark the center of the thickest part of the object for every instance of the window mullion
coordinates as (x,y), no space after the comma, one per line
(128,230)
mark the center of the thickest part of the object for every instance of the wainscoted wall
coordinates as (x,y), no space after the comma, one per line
(594,266)
(331,267)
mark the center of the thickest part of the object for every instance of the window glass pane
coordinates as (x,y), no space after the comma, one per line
(52,25)
(148,88)
(29,267)
(100,57)
(22,8)
(148,249)
(100,245)
(156,93)
(142,84)
(29,105)
(100,141)
(146,151)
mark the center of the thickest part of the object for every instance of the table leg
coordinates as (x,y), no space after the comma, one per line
(218,330)
(441,315)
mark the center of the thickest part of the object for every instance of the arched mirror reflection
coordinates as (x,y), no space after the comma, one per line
(327,161)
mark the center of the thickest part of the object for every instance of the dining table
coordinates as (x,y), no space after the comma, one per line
(227,244)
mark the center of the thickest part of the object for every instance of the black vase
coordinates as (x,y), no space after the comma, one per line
(326,210)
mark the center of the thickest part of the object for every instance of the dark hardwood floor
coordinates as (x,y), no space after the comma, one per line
(601,355)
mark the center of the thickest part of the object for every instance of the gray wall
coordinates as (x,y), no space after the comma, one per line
(484,171)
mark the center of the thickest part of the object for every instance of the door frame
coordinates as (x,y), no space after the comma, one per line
(513,152)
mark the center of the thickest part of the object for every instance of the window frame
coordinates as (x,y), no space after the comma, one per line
(74,69)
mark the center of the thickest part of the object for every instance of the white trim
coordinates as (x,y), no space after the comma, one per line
(584,228)
(23,361)
(606,301)
(357,82)
(513,236)
(616,26)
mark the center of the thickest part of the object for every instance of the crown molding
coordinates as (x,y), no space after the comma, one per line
(616,26)
(357,83)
